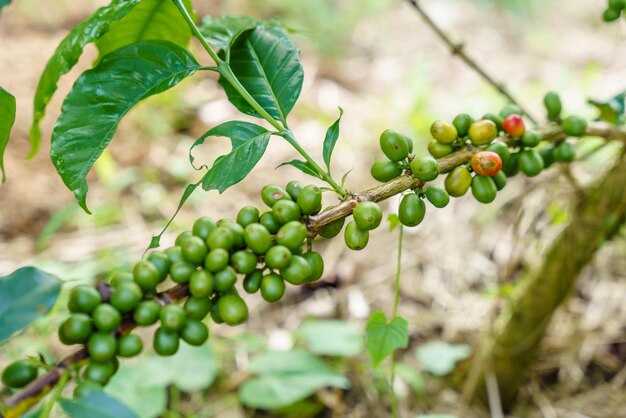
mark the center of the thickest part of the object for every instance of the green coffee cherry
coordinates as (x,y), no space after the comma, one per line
(257,237)
(86,388)
(19,373)
(355,238)
(252,281)
(126,297)
(552,102)
(482,132)
(367,215)
(181,271)
(298,271)
(272,193)
(165,342)
(162,263)
(197,308)
(617,4)
(272,287)
(175,254)
(202,227)
(286,211)
(129,345)
(201,283)
(293,188)
(530,162)
(216,260)
(278,257)
(146,313)
(172,317)
(84,299)
(424,168)
(438,150)
(232,309)
(75,329)
(394,145)
(194,250)
(495,119)
(530,139)
(106,318)
(574,126)
(333,229)
(236,231)
(511,166)
(102,346)
(99,372)
(499,179)
(310,200)
(248,215)
(270,222)
(547,155)
(225,279)
(462,122)
(121,277)
(385,170)
(444,132)
(437,196)
(215,313)
(316,262)
(291,235)
(499,148)
(182,236)
(194,332)
(146,276)
(244,262)
(510,109)
(611,14)
(484,189)
(221,237)
(564,152)
(458,181)
(412,210)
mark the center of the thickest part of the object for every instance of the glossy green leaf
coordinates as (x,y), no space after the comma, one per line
(331,337)
(248,141)
(267,64)
(221,31)
(284,378)
(440,358)
(25,295)
(303,166)
(332,135)
(96,405)
(146,398)
(151,19)
(66,56)
(102,96)
(7,118)
(383,337)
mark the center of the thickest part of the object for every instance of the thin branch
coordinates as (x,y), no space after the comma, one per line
(458,50)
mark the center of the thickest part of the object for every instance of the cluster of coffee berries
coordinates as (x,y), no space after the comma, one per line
(614,10)
(264,249)
(396,147)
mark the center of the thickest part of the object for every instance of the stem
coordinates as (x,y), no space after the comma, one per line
(196,32)
(457,49)
(45,413)
(396,299)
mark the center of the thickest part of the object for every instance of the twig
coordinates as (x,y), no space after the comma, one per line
(458,50)
(493,393)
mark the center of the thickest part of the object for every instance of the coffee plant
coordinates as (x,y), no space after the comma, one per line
(262,249)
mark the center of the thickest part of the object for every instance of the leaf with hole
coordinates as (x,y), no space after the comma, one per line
(383,337)
(7,110)
(102,96)
(25,295)
(66,56)
(267,65)
(332,135)
(222,31)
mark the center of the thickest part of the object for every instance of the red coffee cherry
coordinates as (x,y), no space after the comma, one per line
(514,126)
(486,163)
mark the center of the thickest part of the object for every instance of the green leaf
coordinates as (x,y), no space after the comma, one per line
(384,337)
(102,96)
(25,295)
(266,63)
(248,141)
(412,377)
(221,31)
(440,358)
(4,3)
(331,337)
(303,166)
(7,110)
(151,19)
(612,110)
(146,398)
(66,56)
(287,377)
(96,405)
(332,135)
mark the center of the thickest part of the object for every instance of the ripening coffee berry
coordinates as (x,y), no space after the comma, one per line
(99,372)
(484,189)
(102,346)
(194,250)
(367,215)
(510,109)
(514,126)
(197,308)
(86,388)
(424,168)
(75,329)
(333,229)
(564,152)
(462,122)
(146,276)
(531,139)
(530,162)
(232,309)
(162,263)
(499,180)
(194,332)
(316,262)
(270,222)
(298,271)
(385,170)
(438,150)
(286,211)
(165,342)
(437,196)
(511,166)
(443,132)
(126,297)
(278,257)
(552,102)
(182,236)
(272,287)
(482,132)
(291,235)
(486,163)
(244,262)
(129,345)
(355,238)
(499,148)
(202,227)
(201,283)
(216,260)
(412,210)
(272,193)
(310,200)
(252,281)
(248,215)
(181,271)
(172,317)
(106,318)
(458,181)
(221,237)
(574,126)
(19,373)
(225,279)
(146,313)
(293,188)
(84,299)
(495,119)
(394,145)
(257,237)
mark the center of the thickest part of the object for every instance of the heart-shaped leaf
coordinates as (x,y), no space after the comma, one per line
(248,141)
(102,96)
(151,19)
(7,110)
(221,31)
(384,337)
(25,295)
(332,135)
(267,64)
(96,405)
(66,56)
